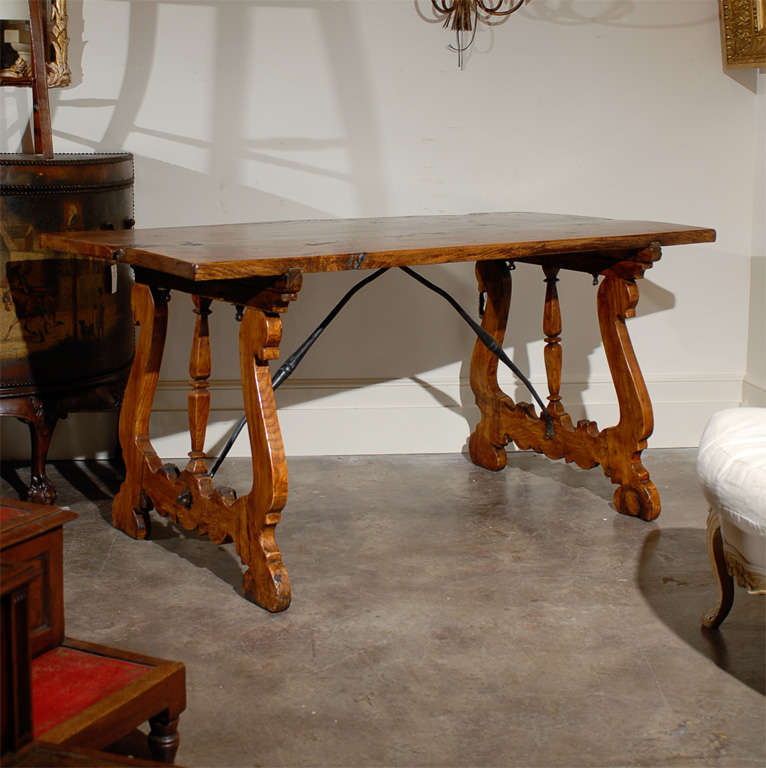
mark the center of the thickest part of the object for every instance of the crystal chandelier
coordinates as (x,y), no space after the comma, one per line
(463,15)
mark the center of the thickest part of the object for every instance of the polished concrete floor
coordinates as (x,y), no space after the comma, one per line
(442,615)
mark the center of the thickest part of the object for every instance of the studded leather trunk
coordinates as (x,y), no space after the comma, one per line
(65,324)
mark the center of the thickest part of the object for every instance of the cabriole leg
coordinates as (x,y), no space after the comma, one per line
(41,425)
(714,618)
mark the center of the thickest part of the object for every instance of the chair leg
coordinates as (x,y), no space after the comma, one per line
(163,737)
(714,618)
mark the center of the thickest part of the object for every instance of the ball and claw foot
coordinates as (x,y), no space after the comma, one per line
(41,490)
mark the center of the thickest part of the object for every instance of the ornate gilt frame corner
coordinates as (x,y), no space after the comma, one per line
(59,73)
(743,33)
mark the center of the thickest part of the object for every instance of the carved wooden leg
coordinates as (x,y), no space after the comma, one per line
(266,581)
(552,331)
(196,474)
(163,737)
(42,422)
(725,581)
(199,397)
(150,312)
(617,299)
(486,444)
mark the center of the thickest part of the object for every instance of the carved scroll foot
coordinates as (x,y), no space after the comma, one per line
(484,454)
(714,618)
(267,584)
(639,500)
(141,527)
(129,519)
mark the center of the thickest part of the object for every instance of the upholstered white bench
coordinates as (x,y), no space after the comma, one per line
(731,464)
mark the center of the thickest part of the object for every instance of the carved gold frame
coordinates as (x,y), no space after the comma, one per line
(743,33)
(57,41)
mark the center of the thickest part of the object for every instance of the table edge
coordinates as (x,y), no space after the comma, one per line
(76,244)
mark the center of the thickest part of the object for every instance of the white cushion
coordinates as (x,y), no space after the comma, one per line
(731,464)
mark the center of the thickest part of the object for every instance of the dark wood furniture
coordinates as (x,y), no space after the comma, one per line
(66,340)
(90,695)
(39,754)
(63,691)
(260,266)
(16,698)
(41,117)
(33,533)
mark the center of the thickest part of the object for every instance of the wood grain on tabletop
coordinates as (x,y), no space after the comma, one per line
(329,245)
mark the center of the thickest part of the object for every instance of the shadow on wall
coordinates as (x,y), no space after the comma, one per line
(616,14)
(612,14)
(397,328)
(676,579)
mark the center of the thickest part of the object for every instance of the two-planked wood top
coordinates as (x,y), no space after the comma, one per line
(232,251)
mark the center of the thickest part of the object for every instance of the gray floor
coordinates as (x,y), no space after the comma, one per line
(442,615)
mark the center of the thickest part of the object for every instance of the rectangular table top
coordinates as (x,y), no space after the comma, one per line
(229,251)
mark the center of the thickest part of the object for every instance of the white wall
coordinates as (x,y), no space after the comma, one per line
(258,110)
(754,390)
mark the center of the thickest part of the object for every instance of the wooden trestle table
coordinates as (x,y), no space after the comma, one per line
(260,267)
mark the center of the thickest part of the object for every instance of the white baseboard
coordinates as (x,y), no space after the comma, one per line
(753,394)
(377,417)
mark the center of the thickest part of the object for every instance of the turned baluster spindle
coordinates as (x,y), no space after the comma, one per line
(552,330)
(199,397)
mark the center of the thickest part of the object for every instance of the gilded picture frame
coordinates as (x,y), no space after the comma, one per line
(14,34)
(743,33)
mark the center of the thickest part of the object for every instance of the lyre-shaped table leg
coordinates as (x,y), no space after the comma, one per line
(266,581)
(150,312)
(617,299)
(618,449)
(487,442)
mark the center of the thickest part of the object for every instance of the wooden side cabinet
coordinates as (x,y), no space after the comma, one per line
(33,533)
(15,683)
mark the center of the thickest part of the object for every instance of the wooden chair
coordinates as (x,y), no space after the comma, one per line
(62,691)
